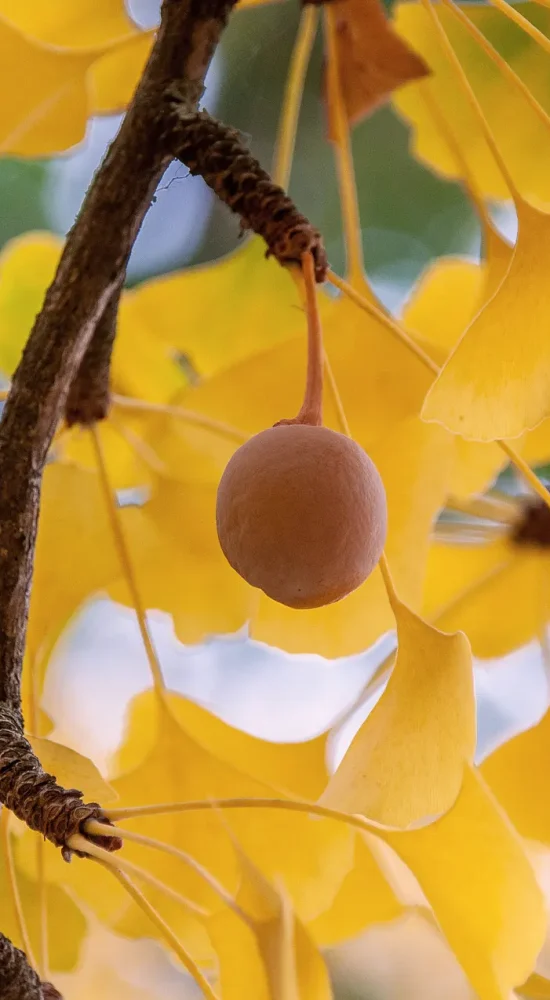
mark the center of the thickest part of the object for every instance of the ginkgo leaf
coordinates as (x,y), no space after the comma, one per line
(444,301)
(277,959)
(299,768)
(71,769)
(476,876)
(117,969)
(48,108)
(372,59)
(215,334)
(496,383)
(113,78)
(516,774)
(365,898)
(536,988)
(27,266)
(178,768)
(59,23)
(73,526)
(406,762)
(520,133)
(447,297)
(471,587)
(66,923)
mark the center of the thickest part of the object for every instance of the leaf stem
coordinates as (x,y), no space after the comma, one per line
(161,925)
(294,89)
(187,416)
(344,156)
(43,941)
(202,872)
(290,805)
(79,843)
(14,888)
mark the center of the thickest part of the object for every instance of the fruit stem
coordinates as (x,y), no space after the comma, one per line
(311,411)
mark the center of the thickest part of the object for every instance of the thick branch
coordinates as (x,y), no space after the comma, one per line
(89,397)
(217,152)
(89,273)
(17,980)
(83,294)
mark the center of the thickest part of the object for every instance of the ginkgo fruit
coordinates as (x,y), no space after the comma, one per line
(301,514)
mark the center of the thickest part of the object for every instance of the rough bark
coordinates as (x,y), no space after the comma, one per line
(88,278)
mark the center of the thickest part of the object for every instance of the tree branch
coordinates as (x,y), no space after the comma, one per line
(83,295)
(90,271)
(17,980)
(89,397)
(89,274)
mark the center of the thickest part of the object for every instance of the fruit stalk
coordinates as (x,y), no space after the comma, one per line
(311,411)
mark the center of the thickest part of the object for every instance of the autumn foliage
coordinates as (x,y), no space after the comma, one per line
(243,858)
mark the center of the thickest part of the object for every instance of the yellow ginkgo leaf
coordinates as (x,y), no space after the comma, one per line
(536,988)
(444,301)
(73,528)
(179,768)
(213,334)
(475,874)
(299,768)
(113,78)
(406,762)
(66,923)
(516,772)
(364,898)
(471,587)
(524,143)
(496,383)
(71,769)
(27,266)
(59,23)
(112,967)
(277,959)
(48,109)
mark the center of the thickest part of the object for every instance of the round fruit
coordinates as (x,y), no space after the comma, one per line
(301,514)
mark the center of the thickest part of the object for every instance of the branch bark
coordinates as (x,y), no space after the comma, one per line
(88,279)
(89,397)
(90,272)
(17,980)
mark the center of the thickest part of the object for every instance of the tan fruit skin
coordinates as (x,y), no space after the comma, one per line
(301,514)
